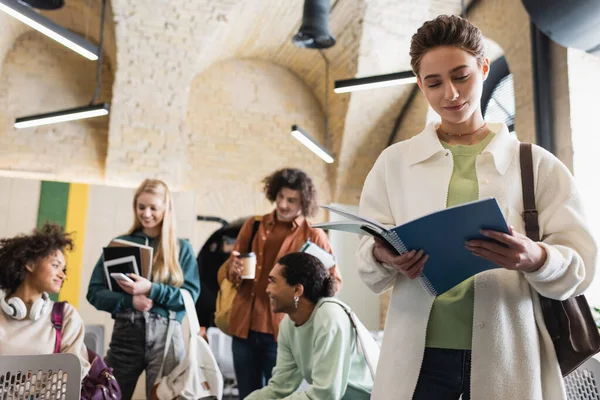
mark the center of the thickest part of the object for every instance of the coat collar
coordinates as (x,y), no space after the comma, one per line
(271,218)
(502,147)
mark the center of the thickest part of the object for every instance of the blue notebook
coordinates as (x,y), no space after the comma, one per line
(441,235)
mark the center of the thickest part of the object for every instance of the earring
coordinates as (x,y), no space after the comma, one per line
(296,299)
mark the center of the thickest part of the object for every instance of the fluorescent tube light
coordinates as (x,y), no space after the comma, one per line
(49,28)
(311,143)
(95,110)
(372,82)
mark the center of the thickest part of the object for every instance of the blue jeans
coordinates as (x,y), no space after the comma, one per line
(445,375)
(253,360)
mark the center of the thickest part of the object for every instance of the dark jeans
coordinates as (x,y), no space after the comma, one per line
(445,375)
(138,344)
(253,360)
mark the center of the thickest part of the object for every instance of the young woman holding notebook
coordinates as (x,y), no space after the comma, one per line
(31,268)
(141,313)
(484,338)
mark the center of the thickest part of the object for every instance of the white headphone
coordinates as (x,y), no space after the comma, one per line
(15,307)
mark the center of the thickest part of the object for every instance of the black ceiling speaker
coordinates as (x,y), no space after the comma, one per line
(44,4)
(573,23)
(314,32)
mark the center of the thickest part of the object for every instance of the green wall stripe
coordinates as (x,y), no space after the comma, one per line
(54,198)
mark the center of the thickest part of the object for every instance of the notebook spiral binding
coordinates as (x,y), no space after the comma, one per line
(395,240)
(427,285)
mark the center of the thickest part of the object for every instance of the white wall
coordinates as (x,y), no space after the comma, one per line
(19,201)
(584,86)
(354,292)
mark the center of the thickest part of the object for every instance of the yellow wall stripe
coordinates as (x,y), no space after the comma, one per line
(75,222)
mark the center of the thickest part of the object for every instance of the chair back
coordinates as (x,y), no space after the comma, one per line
(584,382)
(47,376)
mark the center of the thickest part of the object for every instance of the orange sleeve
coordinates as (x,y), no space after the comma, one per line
(320,239)
(241,245)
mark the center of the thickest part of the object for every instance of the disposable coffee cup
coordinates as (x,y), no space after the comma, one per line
(249,263)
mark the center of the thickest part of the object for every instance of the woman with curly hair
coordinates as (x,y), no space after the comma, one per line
(253,325)
(32,267)
(317,340)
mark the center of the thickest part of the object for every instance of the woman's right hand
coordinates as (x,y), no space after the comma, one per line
(234,273)
(409,264)
(142,303)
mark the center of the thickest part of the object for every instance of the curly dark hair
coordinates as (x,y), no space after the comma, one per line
(309,271)
(295,179)
(18,251)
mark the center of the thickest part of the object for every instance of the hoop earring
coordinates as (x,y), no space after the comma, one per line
(296,299)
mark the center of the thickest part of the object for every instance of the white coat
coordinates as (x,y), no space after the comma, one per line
(512,353)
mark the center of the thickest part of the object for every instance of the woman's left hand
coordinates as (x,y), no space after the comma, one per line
(519,254)
(140,285)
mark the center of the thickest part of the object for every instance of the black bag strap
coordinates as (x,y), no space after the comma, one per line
(530,213)
(254,230)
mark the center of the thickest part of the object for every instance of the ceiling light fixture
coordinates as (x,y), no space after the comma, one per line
(311,143)
(308,140)
(373,82)
(49,28)
(72,114)
(92,110)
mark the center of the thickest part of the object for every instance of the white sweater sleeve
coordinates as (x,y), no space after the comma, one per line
(374,203)
(571,250)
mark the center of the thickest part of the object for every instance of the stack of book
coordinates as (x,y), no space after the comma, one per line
(324,256)
(126,257)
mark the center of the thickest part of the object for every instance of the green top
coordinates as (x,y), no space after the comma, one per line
(451,320)
(165,297)
(322,351)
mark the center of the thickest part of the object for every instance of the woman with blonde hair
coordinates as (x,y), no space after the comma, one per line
(141,311)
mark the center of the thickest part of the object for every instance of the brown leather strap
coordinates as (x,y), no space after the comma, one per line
(530,214)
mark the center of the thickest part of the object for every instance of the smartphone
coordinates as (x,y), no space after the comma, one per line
(120,276)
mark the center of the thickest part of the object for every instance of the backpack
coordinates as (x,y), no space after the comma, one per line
(99,383)
(227,290)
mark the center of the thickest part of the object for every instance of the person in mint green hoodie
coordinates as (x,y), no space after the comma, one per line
(141,312)
(317,341)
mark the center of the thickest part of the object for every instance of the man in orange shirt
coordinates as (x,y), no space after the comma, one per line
(253,325)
